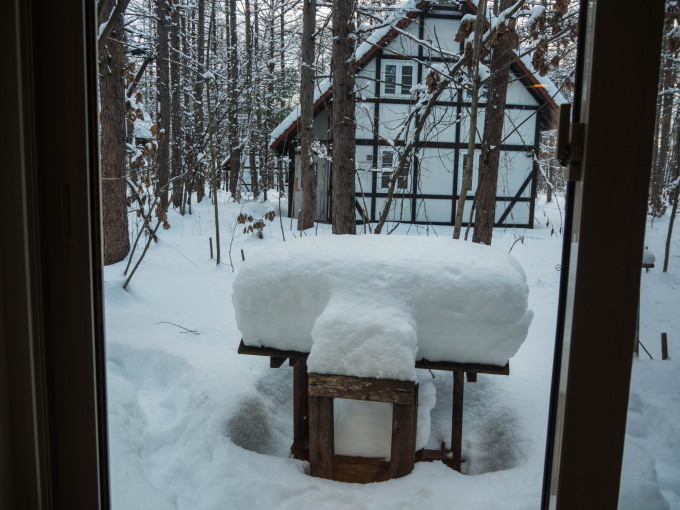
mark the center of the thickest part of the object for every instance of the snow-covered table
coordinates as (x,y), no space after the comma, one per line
(367,308)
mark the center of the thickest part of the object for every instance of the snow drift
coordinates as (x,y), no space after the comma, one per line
(369,306)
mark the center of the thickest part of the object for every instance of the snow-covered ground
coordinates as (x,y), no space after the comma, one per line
(194,425)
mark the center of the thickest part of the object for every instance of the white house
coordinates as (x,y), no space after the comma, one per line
(390,64)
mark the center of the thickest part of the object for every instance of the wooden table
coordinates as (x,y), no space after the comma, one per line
(301,384)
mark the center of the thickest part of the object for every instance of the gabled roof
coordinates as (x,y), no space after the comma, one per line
(403,14)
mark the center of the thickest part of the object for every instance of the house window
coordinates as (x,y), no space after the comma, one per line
(387,167)
(482,93)
(398,78)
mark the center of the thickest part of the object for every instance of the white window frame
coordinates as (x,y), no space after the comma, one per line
(387,168)
(401,88)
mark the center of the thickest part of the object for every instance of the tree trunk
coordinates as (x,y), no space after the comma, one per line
(251,51)
(163,122)
(176,109)
(113,156)
(493,134)
(234,142)
(662,143)
(343,123)
(308,171)
(199,181)
(466,183)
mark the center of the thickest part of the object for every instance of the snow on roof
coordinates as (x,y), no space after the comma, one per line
(543,84)
(401,15)
(369,306)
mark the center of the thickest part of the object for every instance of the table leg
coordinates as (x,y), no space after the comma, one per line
(457,420)
(300,410)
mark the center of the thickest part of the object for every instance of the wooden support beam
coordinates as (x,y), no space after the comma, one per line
(457,420)
(300,411)
(471,376)
(276,362)
(270,351)
(404,426)
(321,439)
(362,388)
(475,368)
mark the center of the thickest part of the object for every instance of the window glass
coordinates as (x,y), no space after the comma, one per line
(650,474)
(406,79)
(390,78)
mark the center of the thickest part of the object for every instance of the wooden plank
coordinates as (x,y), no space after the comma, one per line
(475,368)
(300,448)
(321,437)
(471,376)
(276,362)
(362,388)
(361,469)
(270,351)
(404,424)
(426,455)
(457,420)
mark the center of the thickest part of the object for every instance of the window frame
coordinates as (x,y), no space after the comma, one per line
(387,172)
(54,216)
(398,83)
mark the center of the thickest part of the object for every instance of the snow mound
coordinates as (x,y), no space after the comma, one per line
(369,306)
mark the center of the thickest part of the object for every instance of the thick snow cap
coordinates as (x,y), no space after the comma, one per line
(369,306)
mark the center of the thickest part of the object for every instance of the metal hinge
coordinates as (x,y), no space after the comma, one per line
(570,142)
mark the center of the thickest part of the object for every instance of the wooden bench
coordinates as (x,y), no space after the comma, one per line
(314,388)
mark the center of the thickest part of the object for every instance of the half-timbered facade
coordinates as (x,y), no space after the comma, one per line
(390,65)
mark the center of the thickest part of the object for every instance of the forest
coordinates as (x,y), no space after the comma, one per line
(191,93)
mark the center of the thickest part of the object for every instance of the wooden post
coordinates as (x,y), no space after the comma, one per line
(211,249)
(457,420)
(664,346)
(404,427)
(322,440)
(300,410)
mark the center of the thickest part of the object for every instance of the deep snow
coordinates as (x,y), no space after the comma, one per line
(408,298)
(193,425)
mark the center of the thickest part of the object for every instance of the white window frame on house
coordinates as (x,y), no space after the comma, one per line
(388,160)
(394,82)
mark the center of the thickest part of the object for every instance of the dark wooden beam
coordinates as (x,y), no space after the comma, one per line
(475,368)
(322,439)
(457,421)
(362,388)
(300,411)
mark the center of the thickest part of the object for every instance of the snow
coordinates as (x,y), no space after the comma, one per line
(195,426)
(409,298)
(363,429)
(648,257)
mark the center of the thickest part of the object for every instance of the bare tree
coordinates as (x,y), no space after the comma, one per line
(234,141)
(163,86)
(472,136)
(504,41)
(113,156)
(343,122)
(307,169)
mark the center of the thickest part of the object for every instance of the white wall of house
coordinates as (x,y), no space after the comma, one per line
(430,191)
